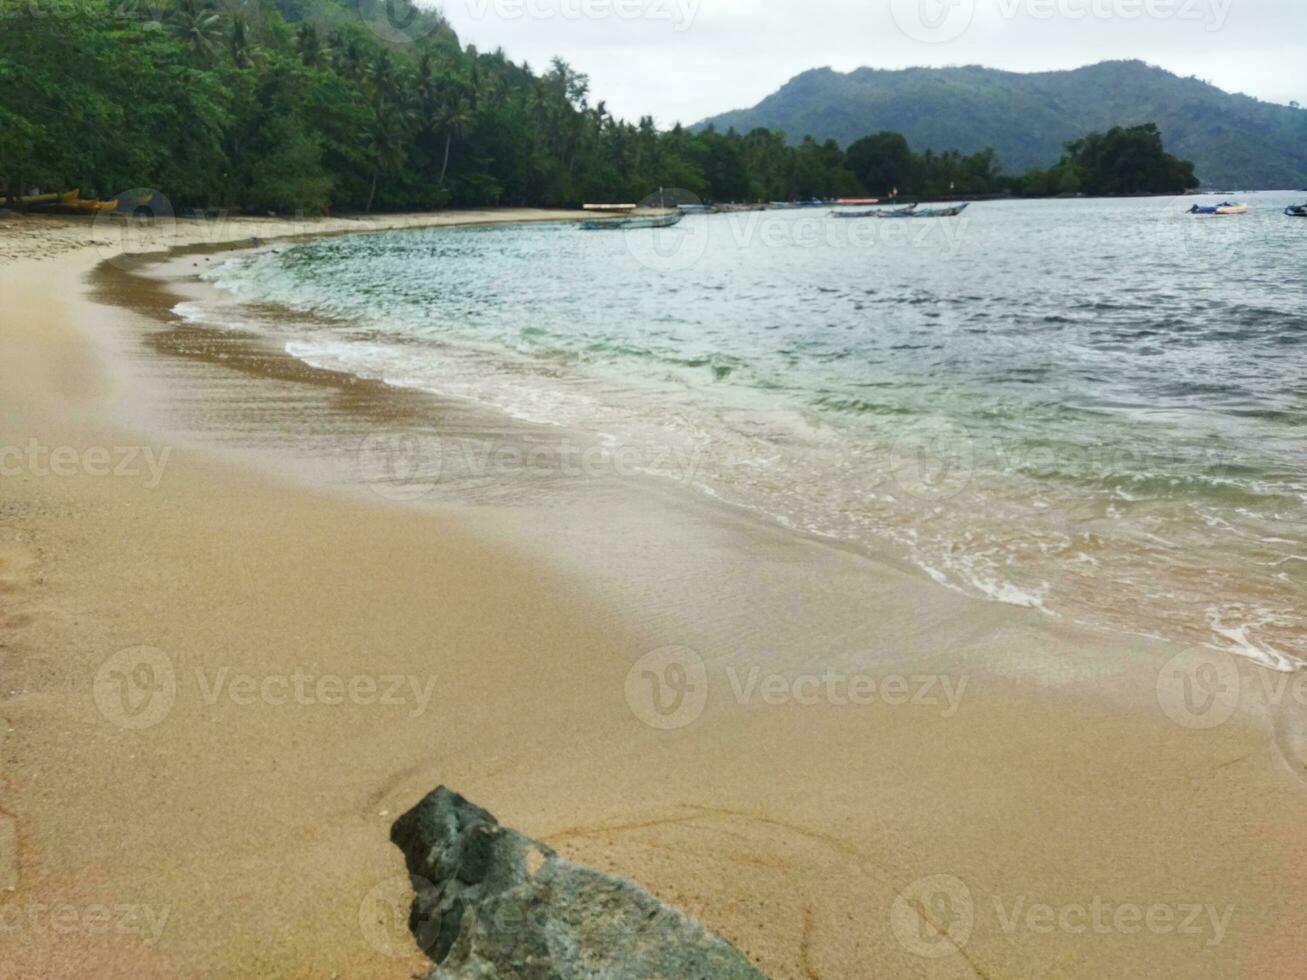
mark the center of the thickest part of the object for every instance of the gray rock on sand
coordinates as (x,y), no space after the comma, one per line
(493,904)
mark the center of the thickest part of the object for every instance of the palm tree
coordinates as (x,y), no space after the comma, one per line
(243,52)
(311,49)
(198,26)
(454,120)
(388,149)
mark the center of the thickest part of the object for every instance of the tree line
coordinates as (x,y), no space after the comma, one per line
(309,105)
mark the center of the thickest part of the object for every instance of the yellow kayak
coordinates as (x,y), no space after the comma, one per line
(48,198)
(89,207)
(69,201)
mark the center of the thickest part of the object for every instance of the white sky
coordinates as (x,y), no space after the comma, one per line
(687,59)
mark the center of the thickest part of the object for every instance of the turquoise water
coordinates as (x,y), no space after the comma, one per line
(1093,408)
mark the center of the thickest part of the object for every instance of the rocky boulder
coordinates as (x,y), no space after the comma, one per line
(493,904)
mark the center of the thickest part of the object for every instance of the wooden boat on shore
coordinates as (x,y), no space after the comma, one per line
(633,224)
(69,201)
(856,202)
(37,199)
(88,206)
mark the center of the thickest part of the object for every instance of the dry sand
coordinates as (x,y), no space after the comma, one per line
(237,827)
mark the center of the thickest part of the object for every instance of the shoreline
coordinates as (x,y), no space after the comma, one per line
(789,827)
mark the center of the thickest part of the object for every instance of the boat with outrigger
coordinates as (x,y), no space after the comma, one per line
(633,223)
(1224,208)
(909,211)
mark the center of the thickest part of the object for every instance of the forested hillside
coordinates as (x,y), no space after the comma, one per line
(307,105)
(304,104)
(1027,118)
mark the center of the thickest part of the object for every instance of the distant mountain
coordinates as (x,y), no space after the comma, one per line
(1235,141)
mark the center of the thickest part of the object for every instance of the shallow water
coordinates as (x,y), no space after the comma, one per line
(1095,408)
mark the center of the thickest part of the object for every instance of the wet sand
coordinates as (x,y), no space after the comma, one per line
(226,665)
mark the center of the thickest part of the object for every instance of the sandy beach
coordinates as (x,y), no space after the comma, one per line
(227,664)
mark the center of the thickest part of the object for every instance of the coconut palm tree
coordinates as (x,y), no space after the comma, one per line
(454,119)
(387,138)
(243,51)
(198,26)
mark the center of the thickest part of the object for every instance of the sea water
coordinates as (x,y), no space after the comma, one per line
(1094,408)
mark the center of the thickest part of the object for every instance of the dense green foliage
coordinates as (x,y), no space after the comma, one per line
(302,105)
(291,105)
(884,162)
(1121,161)
(1234,140)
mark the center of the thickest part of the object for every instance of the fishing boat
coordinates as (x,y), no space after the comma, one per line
(912,211)
(633,224)
(952,212)
(1296,210)
(877,213)
(1226,207)
(814,202)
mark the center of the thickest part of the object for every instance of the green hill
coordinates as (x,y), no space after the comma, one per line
(1234,140)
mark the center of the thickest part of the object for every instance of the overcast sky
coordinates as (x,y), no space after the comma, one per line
(687,59)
